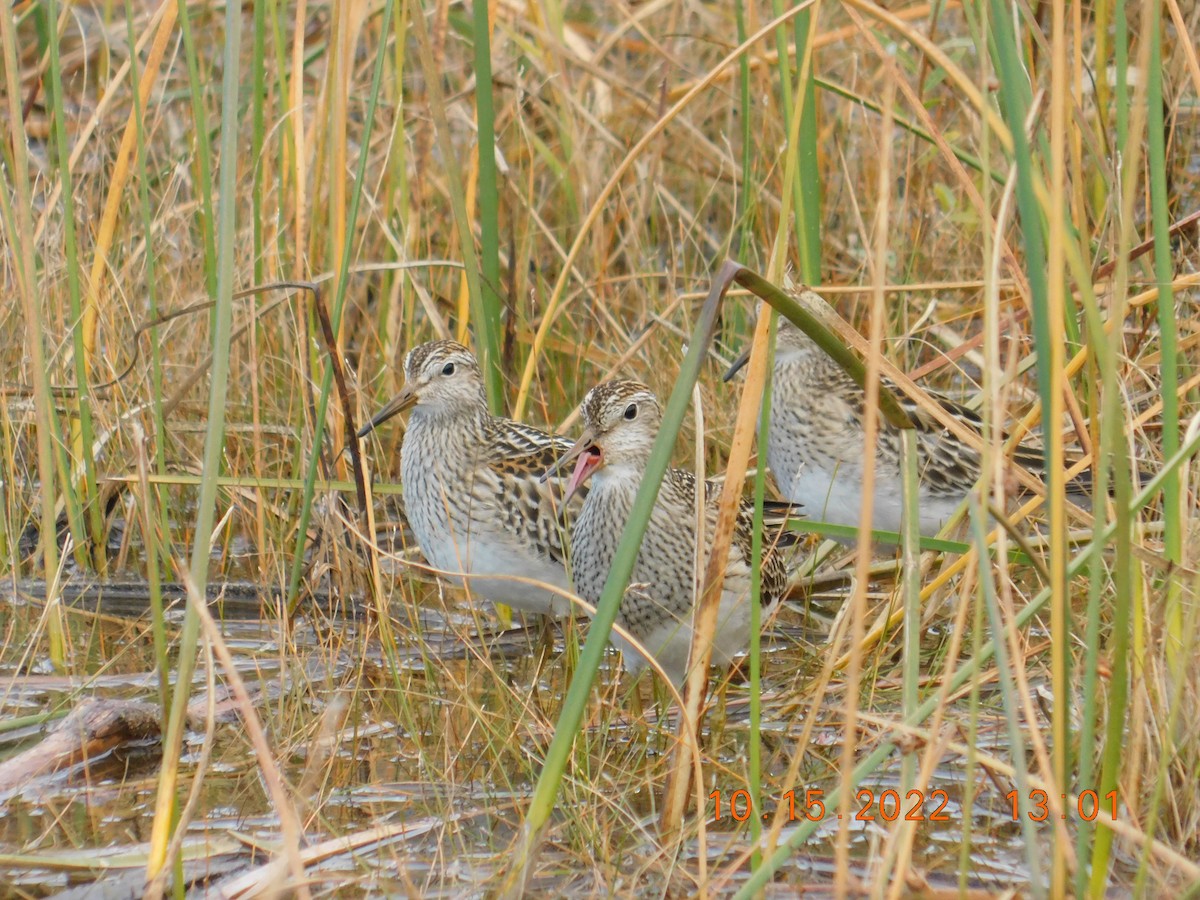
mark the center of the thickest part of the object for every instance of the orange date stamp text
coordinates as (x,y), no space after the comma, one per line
(913,806)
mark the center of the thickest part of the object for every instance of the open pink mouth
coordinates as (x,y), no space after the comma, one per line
(589,461)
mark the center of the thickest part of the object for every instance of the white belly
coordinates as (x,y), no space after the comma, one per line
(670,641)
(499,572)
(837,498)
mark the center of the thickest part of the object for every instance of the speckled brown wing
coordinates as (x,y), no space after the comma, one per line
(956,466)
(838,408)
(777,535)
(776,538)
(518,456)
(948,467)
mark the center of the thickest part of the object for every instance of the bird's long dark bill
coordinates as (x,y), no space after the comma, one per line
(737,365)
(402,401)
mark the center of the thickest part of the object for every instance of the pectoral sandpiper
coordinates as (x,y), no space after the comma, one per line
(621,420)
(473,491)
(816,443)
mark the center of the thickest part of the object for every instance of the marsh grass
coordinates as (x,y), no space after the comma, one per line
(993,197)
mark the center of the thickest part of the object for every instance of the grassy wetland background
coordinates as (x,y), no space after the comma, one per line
(999,198)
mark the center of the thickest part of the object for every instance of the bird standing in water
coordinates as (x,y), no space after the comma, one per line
(473,492)
(816,443)
(621,420)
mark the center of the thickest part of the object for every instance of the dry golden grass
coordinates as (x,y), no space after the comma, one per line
(618,197)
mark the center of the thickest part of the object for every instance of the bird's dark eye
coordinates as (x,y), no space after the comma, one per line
(631,411)
(448,369)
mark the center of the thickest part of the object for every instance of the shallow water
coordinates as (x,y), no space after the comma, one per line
(446,741)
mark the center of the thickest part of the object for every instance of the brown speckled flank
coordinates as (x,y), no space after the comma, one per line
(621,420)
(816,443)
(472,484)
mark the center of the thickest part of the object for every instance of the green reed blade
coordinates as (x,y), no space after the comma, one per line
(970,160)
(258,69)
(16,215)
(310,479)
(910,550)
(486,333)
(1045,303)
(1114,447)
(806,186)
(73,498)
(214,437)
(575,704)
(754,750)
(1169,368)
(968,670)
(824,338)
(745,198)
(157,551)
(1122,583)
(487,328)
(1013,719)
(82,398)
(202,169)
(807,209)
(1015,98)
(1177,660)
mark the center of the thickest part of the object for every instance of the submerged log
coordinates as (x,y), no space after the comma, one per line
(96,726)
(90,730)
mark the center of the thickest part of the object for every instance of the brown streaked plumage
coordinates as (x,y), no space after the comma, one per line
(621,420)
(473,491)
(816,443)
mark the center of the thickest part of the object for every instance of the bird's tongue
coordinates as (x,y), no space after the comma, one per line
(588,462)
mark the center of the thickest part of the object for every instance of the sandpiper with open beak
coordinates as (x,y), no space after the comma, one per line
(621,420)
